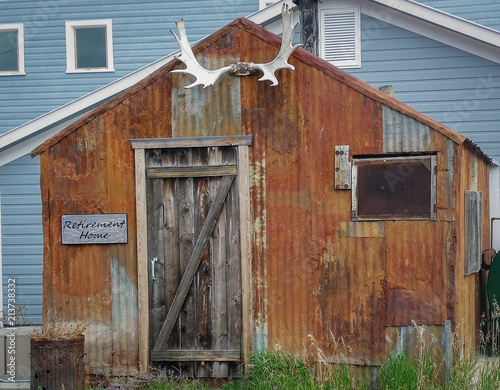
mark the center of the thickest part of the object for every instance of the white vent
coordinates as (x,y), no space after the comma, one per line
(340,37)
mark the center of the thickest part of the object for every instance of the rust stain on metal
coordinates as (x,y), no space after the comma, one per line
(361,229)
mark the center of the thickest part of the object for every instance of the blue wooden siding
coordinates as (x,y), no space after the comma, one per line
(485,12)
(22,248)
(451,86)
(141,35)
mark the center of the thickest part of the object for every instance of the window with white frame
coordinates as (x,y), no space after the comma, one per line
(12,49)
(340,36)
(89,46)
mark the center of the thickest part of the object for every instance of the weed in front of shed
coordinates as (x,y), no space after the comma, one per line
(425,370)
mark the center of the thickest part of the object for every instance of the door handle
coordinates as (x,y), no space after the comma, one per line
(154,277)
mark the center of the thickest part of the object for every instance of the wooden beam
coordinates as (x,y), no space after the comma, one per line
(199,171)
(246,250)
(193,263)
(193,356)
(142,258)
(190,142)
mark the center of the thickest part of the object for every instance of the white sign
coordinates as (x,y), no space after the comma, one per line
(94,229)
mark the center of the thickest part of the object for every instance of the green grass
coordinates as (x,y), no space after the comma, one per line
(269,371)
(278,370)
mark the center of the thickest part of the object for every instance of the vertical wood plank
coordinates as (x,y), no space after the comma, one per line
(233,268)
(218,244)
(172,269)
(202,284)
(155,206)
(473,232)
(142,258)
(186,243)
(245,244)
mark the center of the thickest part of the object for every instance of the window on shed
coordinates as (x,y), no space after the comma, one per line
(340,36)
(89,46)
(11,49)
(394,188)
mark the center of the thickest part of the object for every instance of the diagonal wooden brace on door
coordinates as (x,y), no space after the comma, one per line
(193,263)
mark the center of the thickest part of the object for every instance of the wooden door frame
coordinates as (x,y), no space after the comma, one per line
(140,146)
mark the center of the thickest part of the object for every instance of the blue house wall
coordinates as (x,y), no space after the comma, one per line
(22,239)
(456,88)
(140,36)
(484,12)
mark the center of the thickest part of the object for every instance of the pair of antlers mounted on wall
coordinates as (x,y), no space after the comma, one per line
(208,77)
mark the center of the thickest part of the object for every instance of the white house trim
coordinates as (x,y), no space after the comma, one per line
(71,27)
(437,25)
(19,27)
(443,19)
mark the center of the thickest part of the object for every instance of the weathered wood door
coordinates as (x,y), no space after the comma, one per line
(195,312)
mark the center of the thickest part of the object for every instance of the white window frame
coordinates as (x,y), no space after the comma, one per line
(19,27)
(323,12)
(71,27)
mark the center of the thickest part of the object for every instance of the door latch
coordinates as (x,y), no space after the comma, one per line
(154,277)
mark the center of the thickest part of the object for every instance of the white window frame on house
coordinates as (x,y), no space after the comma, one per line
(19,28)
(71,62)
(348,33)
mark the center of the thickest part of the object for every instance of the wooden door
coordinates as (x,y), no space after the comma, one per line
(195,298)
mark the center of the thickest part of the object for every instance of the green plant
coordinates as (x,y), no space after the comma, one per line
(488,375)
(277,370)
(398,373)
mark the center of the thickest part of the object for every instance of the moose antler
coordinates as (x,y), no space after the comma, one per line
(208,77)
(286,49)
(193,67)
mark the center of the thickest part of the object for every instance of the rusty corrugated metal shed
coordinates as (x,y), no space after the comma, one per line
(315,271)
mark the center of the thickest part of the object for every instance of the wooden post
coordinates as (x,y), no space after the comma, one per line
(142,258)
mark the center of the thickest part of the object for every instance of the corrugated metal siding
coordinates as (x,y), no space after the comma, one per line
(453,87)
(22,253)
(403,134)
(473,176)
(93,172)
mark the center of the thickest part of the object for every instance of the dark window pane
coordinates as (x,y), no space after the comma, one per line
(394,188)
(8,51)
(91,47)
